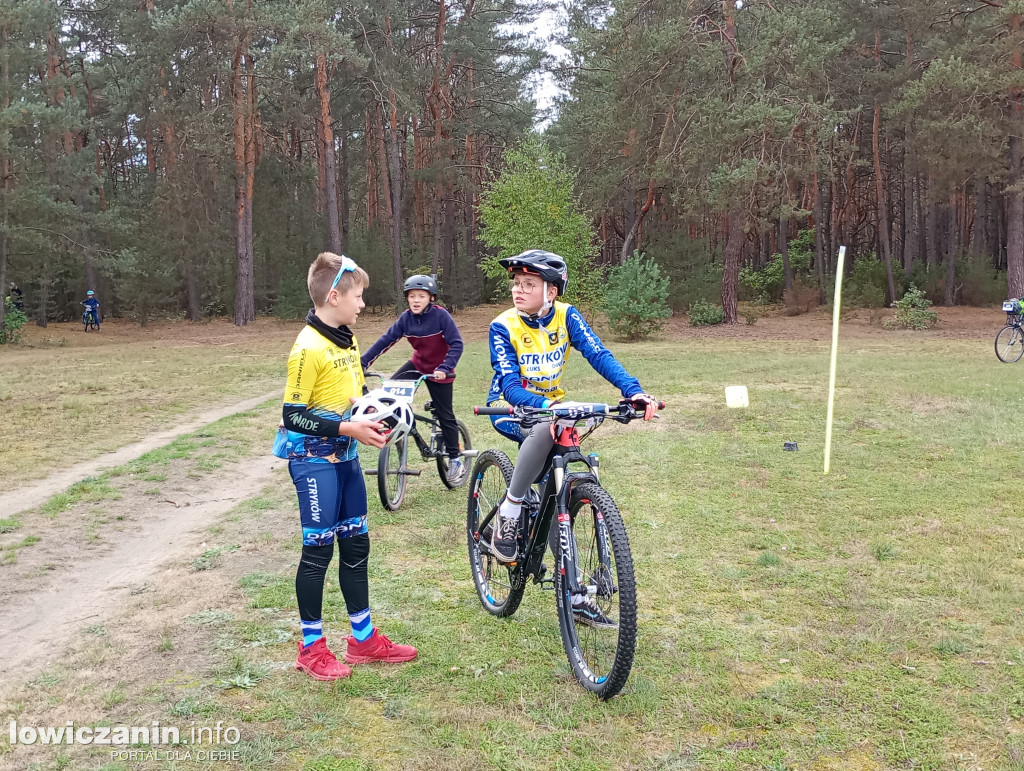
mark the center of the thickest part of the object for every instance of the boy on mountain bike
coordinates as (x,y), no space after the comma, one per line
(92,305)
(529,349)
(436,348)
(319,442)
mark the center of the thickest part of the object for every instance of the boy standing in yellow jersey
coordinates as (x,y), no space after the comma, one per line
(324,378)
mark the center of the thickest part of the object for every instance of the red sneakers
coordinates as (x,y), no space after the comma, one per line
(318,662)
(377,647)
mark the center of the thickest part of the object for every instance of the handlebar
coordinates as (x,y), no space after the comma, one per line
(382,378)
(624,411)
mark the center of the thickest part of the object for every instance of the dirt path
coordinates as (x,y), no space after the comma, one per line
(26,498)
(88,590)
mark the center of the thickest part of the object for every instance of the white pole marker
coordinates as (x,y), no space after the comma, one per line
(835,349)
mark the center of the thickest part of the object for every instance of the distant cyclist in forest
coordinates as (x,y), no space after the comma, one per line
(92,305)
(17,297)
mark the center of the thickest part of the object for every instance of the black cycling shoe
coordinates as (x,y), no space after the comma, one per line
(588,613)
(503,538)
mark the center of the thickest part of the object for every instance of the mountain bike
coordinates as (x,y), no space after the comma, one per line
(589,542)
(1010,340)
(393,469)
(89,319)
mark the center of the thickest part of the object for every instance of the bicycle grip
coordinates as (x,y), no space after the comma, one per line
(493,411)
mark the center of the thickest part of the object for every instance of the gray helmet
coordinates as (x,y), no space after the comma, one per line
(419,281)
(548,265)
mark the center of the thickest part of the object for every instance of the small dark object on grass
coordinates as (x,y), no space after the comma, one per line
(791,446)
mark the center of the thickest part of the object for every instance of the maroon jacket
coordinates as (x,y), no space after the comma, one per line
(435,340)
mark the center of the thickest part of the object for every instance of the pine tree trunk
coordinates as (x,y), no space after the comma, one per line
(819,240)
(3,238)
(344,202)
(787,269)
(931,227)
(371,173)
(910,241)
(1015,210)
(330,172)
(44,290)
(5,171)
(1015,202)
(435,264)
(245,310)
(951,249)
(394,160)
(979,236)
(882,213)
(731,260)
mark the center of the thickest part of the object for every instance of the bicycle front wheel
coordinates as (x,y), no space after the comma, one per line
(498,593)
(442,460)
(391,478)
(1010,344)
(599,634)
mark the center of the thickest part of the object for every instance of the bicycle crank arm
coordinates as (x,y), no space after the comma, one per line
(412,472)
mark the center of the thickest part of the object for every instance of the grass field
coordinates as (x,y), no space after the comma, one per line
(869,619)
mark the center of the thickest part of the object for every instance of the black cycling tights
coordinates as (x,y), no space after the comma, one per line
(352,576)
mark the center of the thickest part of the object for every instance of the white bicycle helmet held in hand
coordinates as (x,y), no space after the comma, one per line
(382,407)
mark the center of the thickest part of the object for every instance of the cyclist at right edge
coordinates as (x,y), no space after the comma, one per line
(529,349)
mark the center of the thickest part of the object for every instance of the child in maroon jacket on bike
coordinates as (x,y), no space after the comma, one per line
(436,348)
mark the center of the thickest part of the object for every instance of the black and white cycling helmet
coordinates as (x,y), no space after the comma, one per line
(548,265)
(382,407)
(419,281)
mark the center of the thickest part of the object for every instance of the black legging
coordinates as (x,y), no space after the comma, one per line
(441,395)
(352,576)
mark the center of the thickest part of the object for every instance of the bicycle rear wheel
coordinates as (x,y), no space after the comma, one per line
(490,478)
(391,479)
(442,460)
(1010,344)
(601,656)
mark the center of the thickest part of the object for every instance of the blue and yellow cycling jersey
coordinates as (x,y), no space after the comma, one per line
(529,357)
(322,377)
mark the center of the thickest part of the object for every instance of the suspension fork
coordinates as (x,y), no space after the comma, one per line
(566,552)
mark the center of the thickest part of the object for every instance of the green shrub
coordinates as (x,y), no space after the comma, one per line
(931,282)
(292,299)
(865,287)
(14,320)
(912,311)
(705,314)
(635,299)
(980,284)
(768,284)
(801,298)
(694,272)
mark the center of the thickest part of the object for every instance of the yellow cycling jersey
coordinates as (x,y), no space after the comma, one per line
(539,352)
(529,356)
(321,377)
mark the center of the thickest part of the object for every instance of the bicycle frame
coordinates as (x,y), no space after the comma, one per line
(554,506)
(427,449)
